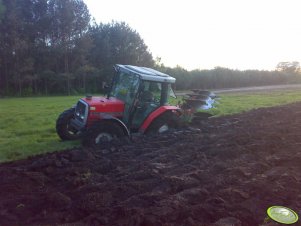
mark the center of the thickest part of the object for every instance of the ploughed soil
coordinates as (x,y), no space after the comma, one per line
(219,171)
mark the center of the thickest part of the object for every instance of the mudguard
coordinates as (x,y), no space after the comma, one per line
(105,116)
(155,114)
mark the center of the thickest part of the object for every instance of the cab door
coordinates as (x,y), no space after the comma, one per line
(148,100)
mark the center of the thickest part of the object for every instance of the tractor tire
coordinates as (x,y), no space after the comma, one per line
(63,128)
(164,123)
(101,134)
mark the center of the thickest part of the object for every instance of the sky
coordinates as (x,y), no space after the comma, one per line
(203,34)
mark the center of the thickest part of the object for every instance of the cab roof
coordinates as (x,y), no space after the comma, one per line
(145,73)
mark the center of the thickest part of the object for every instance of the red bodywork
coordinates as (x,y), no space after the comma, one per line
(114,107)
(156,114)
(98,105)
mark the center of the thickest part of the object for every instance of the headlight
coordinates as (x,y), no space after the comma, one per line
(81,111)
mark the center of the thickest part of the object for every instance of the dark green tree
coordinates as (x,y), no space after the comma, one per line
(117,43)
(70,22)
(2,10)
(15,42)
(39,36)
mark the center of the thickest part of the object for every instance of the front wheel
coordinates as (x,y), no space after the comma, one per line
(102,133)
(64,128)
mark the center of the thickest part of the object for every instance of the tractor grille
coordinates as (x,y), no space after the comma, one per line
(81,111)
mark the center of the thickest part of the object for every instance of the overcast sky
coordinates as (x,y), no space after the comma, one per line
(203,34)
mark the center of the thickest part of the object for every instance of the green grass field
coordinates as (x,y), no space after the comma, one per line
(241,102)
(27,125)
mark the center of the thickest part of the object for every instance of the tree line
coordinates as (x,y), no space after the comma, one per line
(52,47)
(220,78)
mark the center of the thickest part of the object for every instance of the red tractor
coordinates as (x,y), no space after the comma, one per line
(137,102)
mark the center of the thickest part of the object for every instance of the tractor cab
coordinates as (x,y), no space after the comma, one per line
(143,90)
(137,102)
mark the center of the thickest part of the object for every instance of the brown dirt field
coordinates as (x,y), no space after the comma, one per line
(222,171)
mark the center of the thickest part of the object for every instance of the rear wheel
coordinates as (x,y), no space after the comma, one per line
(163,123)
(64,128)
(101,134)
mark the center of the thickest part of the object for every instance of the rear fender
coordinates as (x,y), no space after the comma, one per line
(161,110)
(104,116)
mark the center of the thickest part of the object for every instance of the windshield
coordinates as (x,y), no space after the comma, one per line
(125,87)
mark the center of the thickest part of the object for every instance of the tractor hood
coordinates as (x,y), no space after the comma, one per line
(110,105)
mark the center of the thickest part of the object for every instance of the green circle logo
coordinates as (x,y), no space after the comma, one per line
(282,215)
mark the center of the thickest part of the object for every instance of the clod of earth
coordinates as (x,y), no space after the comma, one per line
(221,171)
